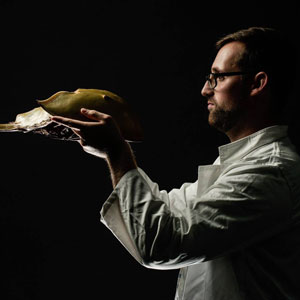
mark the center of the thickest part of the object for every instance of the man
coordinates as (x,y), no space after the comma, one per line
(235,232)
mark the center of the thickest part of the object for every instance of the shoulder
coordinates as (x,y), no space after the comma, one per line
(280,152)
(279,158)
(270,173)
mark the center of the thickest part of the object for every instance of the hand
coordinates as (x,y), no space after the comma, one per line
(100,137)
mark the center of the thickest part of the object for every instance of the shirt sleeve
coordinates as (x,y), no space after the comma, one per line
(244,205)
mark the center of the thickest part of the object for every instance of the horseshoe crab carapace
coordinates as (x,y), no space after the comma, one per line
(68,104)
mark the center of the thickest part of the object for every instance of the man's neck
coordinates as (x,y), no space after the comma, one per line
(241,131)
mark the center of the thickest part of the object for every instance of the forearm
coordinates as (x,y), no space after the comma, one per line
(150,217)
(120,161)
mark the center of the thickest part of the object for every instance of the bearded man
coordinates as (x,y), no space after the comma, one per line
(235,232)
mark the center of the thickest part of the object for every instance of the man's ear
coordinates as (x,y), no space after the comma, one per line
(259,83)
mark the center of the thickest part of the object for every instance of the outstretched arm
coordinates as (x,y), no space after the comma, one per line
(101,137)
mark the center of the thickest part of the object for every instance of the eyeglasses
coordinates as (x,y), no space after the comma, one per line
(211,78)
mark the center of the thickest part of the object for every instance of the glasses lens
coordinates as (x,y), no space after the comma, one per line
(211,81)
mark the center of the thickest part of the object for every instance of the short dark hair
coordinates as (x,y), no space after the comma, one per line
(268,50)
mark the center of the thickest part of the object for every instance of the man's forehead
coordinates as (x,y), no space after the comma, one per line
(228,56)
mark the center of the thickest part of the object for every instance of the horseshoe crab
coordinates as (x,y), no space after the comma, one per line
(68,104)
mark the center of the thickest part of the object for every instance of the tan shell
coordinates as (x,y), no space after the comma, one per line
(68,104)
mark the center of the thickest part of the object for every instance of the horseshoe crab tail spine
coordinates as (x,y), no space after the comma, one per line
(9,127)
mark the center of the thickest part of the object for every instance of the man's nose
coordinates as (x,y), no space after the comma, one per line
(206,90)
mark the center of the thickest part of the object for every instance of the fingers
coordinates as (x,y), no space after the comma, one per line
(71,123)
(93,114)
(89,131)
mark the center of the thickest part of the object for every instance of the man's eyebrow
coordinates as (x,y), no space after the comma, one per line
(215,70)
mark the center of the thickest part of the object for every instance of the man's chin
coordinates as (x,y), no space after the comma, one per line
(212,121)
(220,124)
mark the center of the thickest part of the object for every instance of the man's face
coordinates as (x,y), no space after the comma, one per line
(227,101)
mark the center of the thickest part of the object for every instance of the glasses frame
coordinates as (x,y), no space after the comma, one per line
(212,82)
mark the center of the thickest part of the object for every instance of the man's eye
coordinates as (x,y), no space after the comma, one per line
(220,78)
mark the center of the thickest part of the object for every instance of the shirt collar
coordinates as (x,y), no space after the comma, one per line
(238,149)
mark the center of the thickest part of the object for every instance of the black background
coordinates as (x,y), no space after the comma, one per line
(155,55)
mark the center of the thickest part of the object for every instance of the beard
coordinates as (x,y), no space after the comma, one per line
(222,119)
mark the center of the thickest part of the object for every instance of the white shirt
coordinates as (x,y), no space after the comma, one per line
(235,232)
